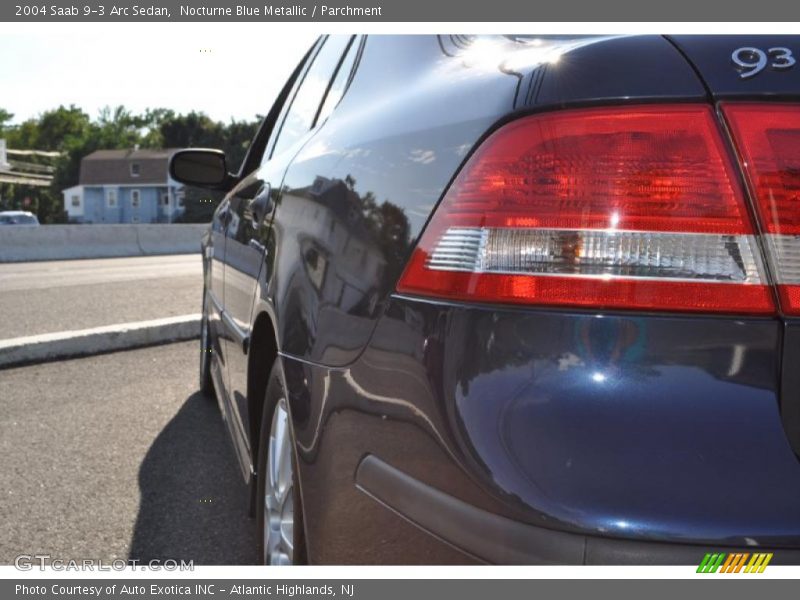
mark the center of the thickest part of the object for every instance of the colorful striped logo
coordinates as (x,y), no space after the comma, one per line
(734,563)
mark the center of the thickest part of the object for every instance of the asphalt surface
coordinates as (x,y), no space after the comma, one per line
(54,296)
(119,456)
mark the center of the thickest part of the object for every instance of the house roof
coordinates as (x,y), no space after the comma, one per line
(114,166)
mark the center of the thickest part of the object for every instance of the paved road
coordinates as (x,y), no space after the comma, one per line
(119,456)
(52,296)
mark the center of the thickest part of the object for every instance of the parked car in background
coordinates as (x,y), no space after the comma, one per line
(18,217)
(514,300)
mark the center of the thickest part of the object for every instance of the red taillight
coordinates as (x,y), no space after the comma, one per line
(633,207)
(768,139)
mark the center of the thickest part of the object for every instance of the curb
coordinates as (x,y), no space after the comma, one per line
(85,342)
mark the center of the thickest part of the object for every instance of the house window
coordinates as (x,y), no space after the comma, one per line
(135,169)
(135,198)
(165,198)
(179,198)
(76,201)
(111,198)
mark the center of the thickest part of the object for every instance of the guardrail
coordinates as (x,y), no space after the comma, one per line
(56,242)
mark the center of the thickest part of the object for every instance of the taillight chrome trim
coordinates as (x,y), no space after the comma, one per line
(601,254)
(783,252)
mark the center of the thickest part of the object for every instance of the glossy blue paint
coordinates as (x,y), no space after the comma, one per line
(633,426)
(651,427)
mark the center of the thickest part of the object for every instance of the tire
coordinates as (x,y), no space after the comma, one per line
(279,512)
(206,383)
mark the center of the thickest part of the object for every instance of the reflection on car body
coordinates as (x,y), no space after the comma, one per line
(468,301)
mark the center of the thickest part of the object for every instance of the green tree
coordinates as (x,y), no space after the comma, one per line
(199,130)
(5,117)
(72,133)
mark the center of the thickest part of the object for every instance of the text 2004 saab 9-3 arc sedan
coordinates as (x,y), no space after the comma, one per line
(514,299)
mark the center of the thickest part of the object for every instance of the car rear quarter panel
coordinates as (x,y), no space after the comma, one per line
(650,427)
(358,194)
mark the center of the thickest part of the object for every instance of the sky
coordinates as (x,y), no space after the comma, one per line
(226,72)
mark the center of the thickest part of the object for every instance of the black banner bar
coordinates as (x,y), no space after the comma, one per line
(730,588)
(743,11)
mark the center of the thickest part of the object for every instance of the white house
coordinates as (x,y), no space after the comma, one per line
(125,186)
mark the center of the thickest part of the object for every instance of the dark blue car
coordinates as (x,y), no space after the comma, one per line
(514,299)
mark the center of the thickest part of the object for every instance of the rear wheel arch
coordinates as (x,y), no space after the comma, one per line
(263,351)
(262,356)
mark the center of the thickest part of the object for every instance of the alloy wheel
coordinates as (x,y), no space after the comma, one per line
(278,492)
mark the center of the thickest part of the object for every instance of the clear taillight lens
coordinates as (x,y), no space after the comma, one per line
(625,207)
(767,137)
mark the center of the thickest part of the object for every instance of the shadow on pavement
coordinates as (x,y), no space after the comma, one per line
(193,500)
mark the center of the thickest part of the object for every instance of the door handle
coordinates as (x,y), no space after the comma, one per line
(261,205)
(256,245)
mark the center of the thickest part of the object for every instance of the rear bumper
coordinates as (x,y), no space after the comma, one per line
(563,437)
(490,538)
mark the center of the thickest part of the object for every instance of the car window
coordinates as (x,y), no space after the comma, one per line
(303,110)
(339,84)
(270,146)
(262,143)
(220,219)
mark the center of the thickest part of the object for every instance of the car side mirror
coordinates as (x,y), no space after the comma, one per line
(200,167)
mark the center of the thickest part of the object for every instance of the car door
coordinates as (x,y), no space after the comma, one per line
(252,205)
(214,254)
(236,246)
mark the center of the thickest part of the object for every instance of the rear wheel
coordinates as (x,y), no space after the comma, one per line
(206,384)
(279,512)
